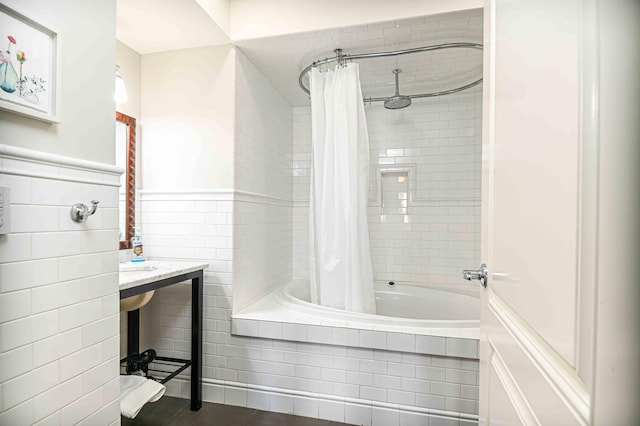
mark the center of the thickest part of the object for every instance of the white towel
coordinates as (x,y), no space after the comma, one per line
(135,391)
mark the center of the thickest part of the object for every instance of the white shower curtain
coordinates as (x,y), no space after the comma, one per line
(340,260)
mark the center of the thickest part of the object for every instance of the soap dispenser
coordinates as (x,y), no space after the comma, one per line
(137,246)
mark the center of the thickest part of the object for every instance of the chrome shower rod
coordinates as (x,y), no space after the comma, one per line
(341,58)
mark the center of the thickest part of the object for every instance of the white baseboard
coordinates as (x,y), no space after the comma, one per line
(320,406)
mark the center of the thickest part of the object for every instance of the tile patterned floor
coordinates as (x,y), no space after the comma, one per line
(175,412)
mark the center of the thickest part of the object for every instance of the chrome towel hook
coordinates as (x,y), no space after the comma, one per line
(80,212)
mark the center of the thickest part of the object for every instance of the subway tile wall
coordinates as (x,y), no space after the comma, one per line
(262,229)
(58,294)
(425,227)
(246,237)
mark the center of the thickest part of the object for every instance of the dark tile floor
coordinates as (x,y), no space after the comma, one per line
(175,412)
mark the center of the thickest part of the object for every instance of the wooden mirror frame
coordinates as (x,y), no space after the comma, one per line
(130,180)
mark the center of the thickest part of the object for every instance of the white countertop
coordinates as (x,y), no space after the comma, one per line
(133,274)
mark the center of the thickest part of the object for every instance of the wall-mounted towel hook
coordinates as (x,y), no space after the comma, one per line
(80,212)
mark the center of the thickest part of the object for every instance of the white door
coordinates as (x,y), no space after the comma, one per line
(537,331)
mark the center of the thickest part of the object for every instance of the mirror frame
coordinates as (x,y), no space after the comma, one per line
(130,180)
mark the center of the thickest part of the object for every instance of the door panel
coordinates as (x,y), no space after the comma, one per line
(542,386)
(531,196)
(536,166)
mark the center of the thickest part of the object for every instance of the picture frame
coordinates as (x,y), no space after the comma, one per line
(29,66)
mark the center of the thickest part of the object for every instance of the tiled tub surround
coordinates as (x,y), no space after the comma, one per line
(424,204)
(282,375)
(58,292)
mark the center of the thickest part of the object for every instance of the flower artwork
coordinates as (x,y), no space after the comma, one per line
(29,66)
(28,86)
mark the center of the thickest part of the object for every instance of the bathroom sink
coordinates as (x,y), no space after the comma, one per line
(136,302)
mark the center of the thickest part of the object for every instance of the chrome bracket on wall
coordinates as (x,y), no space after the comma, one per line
(80,212)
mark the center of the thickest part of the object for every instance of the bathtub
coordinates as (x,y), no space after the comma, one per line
(401,304)
(424,319)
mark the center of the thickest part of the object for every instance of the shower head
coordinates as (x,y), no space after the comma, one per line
(397,101)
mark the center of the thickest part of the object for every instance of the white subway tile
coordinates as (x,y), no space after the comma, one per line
(235,396)
(331,410)
(56,398)
(74,267)
(258,400)
(469,392)
(306,407)
(270,330)
(111,304)
(81,408)
(430,345)
(108,415)
(18,415)
(294,332)
(385,417)
(30,218)
(14,305)
(463,348)
(51,420)
(55,244)
(416,385)
(100,330)
(280,403)
(387,382)
(462,376)
(97,376)
(80,361)
(110,348)
(461,405)
(16,362)
(345,336)
(53,348)
(445,389)
(56,295)
(401,342)
(111,391)
(16,248)
(80,313)
(402,370)
(55,192)
(99,285)
(373,339)
(373,394)
(430,401)
(431,373)
(28,385)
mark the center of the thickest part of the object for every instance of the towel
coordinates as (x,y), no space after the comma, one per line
(135,391)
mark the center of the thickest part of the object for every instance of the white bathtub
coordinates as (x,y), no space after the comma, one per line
(405,305)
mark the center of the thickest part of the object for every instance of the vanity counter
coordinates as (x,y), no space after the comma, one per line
(134,274)
(141,277)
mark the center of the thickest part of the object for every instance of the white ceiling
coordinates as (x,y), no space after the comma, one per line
(149,26)
(281,58)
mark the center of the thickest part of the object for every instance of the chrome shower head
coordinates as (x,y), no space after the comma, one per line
(397,101)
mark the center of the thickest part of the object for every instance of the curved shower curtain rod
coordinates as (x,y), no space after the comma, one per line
(340,58)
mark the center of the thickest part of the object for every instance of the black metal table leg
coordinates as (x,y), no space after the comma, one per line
(196,341)
(133,332)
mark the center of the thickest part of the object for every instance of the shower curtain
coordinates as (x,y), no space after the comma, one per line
(340,260)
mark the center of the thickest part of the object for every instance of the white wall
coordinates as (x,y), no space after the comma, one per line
(87,83)
(130,63)
(188,108)
(58,279)
(257,18)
